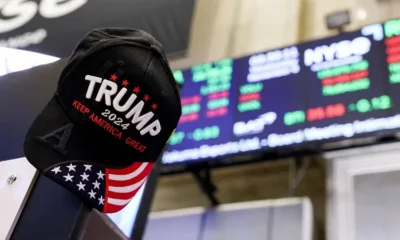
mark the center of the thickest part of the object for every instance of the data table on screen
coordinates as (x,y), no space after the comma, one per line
(344,84)
(325,90)
(271,97)
(391,57)
(206,108)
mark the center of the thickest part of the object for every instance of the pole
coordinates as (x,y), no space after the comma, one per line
(50,212)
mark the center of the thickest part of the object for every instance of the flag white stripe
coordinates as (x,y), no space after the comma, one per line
(127,189)
(129,175)
(118,202)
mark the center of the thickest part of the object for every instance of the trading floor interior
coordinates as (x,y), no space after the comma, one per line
(289,125)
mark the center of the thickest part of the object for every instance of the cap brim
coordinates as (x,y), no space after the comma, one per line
(61,151)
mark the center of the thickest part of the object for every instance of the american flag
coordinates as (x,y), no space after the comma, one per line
(107,190)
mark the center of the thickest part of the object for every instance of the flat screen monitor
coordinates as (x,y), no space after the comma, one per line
(316,92)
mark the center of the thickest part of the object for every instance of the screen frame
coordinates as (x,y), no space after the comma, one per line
(301,149)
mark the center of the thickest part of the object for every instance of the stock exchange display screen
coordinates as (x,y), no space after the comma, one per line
(330,89)
(206,105)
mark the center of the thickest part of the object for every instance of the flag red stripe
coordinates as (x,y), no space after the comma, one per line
(134,180)
(126,170)
(123,196)
(113,208)
(110,208)
(106,205)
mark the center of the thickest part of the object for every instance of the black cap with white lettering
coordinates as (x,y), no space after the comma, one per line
(114,110)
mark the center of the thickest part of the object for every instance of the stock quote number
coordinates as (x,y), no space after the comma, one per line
(198,134)
(366,105)
(205,133)
(176,138)
(116,120)
(330,111)
(296,117)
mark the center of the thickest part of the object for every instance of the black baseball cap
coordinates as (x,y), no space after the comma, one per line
(114,110)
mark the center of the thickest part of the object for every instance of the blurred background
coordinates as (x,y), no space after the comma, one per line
(290,112)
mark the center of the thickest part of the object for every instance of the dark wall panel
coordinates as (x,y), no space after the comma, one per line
(55,28)
(23,95)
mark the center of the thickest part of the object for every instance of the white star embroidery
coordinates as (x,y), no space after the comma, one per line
(68,177)
(92,194)
(101,175)
(81,186)
(96,185)
(87,167)
(71,167)
(85,177)
(101,200)
(56,170)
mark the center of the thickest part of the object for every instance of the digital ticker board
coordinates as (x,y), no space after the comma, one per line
(329,89)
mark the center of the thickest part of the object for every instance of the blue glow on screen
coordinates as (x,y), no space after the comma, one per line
(125,219)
